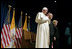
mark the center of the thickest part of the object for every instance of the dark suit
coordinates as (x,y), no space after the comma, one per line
(51,33)
(56,34)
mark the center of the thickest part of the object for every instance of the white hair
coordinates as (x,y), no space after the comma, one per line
(45,8)
(55,21)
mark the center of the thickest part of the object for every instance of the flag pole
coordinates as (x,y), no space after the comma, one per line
(25,23)
(14,20)
(9,13)
(29,22)
(21,17)
(13,11)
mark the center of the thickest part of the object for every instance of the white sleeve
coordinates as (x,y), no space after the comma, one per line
(40,19)
(45,19)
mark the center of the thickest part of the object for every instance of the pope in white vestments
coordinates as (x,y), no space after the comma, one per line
(42,36)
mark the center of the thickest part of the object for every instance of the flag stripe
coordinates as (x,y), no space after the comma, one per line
(6,29)
(3,41)
(19,32)
(17,40)
(8,32)
(3,35)
(3,45)
(20,36)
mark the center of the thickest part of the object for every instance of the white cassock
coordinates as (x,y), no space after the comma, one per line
(42,36)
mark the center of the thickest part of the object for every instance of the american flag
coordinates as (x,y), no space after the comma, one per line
(5,36)
(18,36)
(5,33)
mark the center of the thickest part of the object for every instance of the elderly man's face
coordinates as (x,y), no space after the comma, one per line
(55,23)
(50,16)
(45,11)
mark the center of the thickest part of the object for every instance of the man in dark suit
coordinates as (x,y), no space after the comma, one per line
(51,26)
(56,35)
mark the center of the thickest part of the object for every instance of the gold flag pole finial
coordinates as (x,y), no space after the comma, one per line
(13,9)
(21,13)
(9,6)
(26,14)
(29,17)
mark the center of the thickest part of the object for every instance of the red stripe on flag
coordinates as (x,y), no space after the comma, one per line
(7,34)
(17,33)
(1,44)
(20,37)
(3,38)
(15,41)
(2,41)
(17,44)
